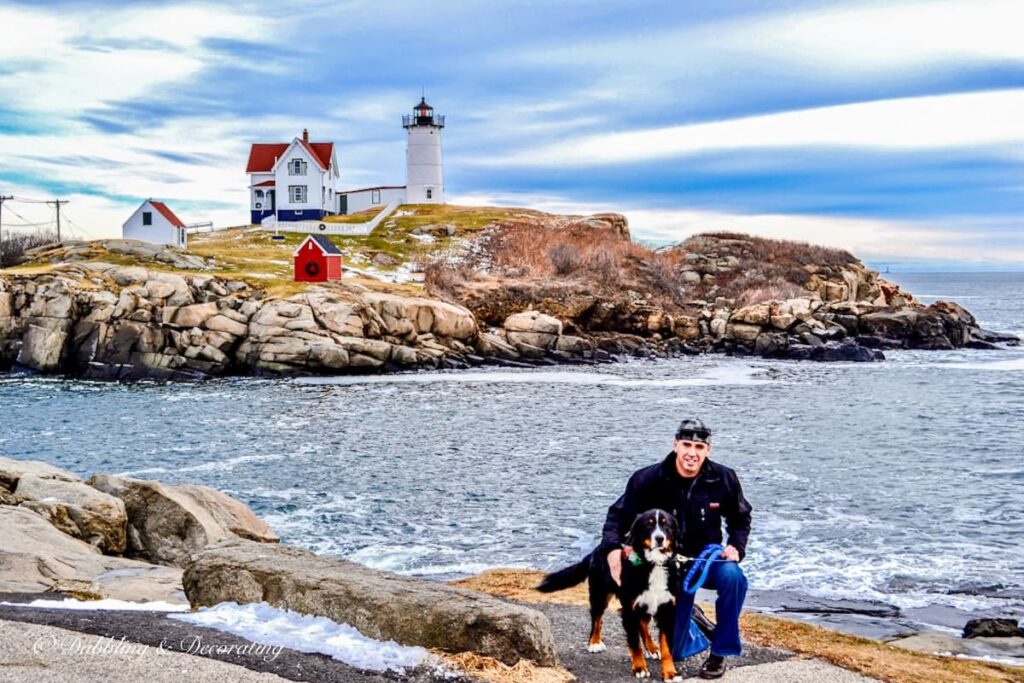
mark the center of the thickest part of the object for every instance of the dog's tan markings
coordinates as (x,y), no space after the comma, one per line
(668,667)
(645,635)
(596,643)
(639,664)
(595,633)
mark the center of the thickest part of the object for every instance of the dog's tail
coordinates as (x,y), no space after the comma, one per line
(566,578)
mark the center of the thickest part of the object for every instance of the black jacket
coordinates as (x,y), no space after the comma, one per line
(715,494)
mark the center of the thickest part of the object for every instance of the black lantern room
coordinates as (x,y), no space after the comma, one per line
(423,115)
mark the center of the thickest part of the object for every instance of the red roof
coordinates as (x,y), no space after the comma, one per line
(168,214)
(263,155)
(265,183)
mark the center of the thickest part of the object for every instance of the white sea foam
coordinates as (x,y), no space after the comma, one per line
(721,375)
(999,365)
(267,625)
(212,466)
(104,604)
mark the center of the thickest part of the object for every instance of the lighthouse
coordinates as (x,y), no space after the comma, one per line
(424,175)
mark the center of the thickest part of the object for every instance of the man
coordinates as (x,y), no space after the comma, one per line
(700,494)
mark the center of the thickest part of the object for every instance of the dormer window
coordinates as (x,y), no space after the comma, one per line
(297,167)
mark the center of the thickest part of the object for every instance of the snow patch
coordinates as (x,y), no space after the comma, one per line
(268,625)
(104,604)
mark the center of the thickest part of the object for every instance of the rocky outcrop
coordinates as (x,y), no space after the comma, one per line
(102,321)
(35,556)
(993,628)
(166,523)
(78,510)
(380,605)
(60,532)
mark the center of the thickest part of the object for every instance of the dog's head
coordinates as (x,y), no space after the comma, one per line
(654,534)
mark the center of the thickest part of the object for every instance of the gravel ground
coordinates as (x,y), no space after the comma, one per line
(156,630)
(63,655)
(45,654)
(572,628)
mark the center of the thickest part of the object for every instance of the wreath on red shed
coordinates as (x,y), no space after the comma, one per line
(312,269)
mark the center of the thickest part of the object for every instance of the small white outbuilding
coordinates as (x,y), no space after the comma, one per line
(154,222)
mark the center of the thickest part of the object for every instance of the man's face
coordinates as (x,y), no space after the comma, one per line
(690,455)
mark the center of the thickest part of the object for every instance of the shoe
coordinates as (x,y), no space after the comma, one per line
(713,667)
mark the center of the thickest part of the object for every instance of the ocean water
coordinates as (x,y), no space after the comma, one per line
(900,481)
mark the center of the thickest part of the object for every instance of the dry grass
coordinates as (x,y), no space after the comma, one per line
(594,257)
(865,656)
(488,669)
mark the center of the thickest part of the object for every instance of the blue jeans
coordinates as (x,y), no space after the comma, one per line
(727,579)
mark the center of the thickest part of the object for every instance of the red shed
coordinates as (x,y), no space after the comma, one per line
(317,260)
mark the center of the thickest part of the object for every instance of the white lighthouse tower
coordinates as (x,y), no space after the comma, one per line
(424,175)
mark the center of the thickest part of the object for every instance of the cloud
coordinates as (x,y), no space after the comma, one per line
(86,58)
(944,121)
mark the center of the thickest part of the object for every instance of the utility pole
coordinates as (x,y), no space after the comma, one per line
(57,203)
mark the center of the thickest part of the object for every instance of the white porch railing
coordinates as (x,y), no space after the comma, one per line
(325,228)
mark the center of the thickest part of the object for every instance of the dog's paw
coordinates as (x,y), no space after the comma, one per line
(652,655)
(642,673)
(674,679)
(597,647)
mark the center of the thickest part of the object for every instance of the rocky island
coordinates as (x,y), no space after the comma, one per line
(495,286)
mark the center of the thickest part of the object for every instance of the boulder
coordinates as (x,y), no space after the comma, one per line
(756,314)
(493,346)
(43,344)
(11,471)
(194,315)
(35,555)
(78,510)
(166,523)
(533,321)
(379,604)
(992,628)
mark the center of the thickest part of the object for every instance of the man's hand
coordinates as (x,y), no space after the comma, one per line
(615,565)
(731,554)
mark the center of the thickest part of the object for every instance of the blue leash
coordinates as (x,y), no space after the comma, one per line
(701,564)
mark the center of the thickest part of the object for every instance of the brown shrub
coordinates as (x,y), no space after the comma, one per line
(443,277)
(565,258)
(14,246)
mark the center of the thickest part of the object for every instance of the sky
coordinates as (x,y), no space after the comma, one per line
(892,129)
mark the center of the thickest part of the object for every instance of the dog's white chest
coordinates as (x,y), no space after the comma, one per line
(657,593)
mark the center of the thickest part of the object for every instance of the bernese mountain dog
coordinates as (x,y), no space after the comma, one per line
(651,575)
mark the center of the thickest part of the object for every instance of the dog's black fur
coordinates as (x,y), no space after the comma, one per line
(654,578)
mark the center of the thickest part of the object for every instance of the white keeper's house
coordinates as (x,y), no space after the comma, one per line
(154,222)
(296,181)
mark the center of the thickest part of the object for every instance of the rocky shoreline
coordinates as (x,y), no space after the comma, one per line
(137,540)
(97,320)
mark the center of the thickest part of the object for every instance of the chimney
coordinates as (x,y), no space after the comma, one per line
(305,135)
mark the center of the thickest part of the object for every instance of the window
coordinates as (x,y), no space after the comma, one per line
(147,218)
(430,194)
(296,167)
(297,194)
(375,197)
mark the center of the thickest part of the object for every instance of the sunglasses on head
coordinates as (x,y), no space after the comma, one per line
(693,436)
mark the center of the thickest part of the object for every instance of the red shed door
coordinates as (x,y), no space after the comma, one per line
(310,264)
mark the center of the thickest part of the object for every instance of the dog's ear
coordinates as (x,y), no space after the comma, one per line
(673,530)
(635,531)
